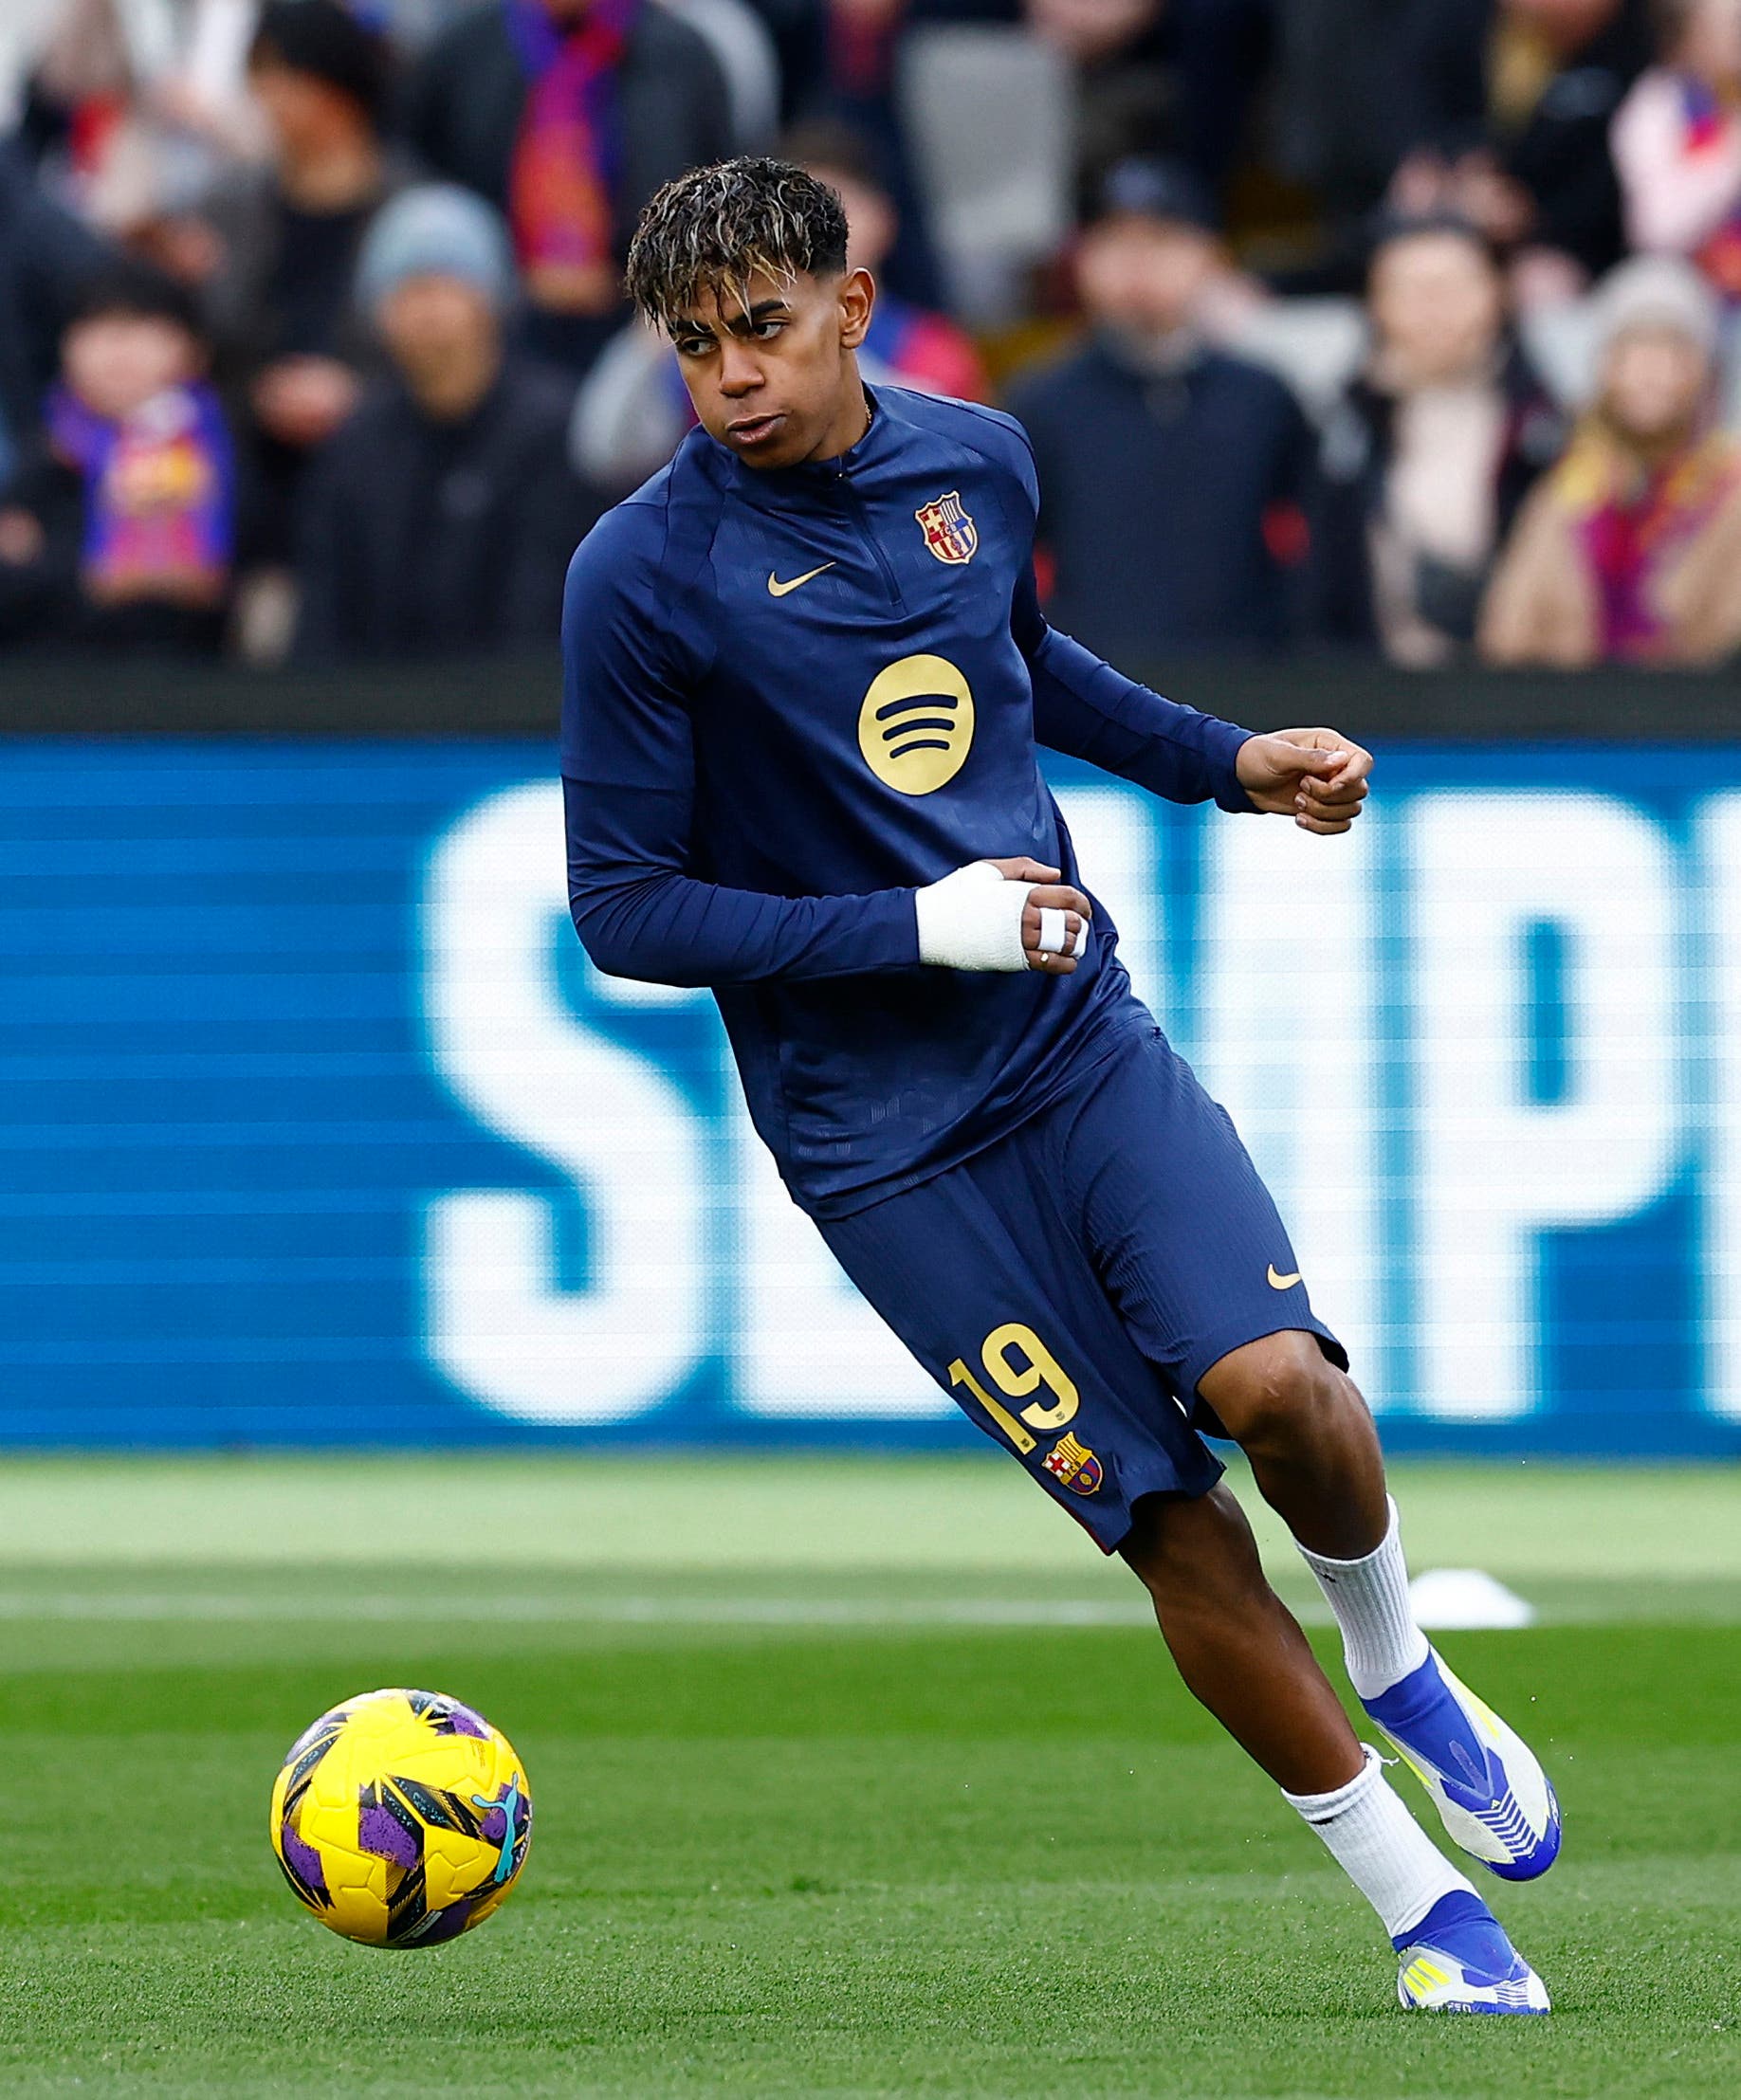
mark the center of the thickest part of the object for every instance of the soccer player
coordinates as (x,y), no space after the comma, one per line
(806,680)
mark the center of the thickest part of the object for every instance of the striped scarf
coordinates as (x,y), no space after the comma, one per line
(1710,127)
(1632,528)
(569,147)
(158,493)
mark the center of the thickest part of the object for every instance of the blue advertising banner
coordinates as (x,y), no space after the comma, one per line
(318,1128)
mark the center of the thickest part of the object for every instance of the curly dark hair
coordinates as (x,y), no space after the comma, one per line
(716,227)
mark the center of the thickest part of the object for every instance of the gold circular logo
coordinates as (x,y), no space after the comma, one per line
(916,725)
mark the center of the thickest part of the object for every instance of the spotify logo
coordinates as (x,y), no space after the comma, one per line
(916,725)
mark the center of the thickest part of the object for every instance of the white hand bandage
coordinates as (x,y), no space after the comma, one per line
(972,921)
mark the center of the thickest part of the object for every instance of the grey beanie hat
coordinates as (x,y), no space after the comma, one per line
(436,230)
(1655,291)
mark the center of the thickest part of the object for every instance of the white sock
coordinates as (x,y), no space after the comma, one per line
(1381,1642)
(1381,1847)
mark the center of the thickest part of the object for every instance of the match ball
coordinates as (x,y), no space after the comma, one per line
(401,1818)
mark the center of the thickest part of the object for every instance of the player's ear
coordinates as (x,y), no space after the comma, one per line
(856,296)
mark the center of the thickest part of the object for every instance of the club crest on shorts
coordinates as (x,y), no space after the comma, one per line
(1074,1465)
(949,533)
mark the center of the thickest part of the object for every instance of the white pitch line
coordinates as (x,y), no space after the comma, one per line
(194,1606)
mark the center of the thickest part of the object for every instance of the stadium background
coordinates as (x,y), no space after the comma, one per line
(322,1129)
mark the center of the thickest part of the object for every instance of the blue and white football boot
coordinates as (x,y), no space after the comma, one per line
(1458,1960)
(1486,1782)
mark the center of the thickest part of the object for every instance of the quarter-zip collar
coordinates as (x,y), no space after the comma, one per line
(814,478)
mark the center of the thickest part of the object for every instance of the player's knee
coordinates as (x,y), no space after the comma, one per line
(1280,1390)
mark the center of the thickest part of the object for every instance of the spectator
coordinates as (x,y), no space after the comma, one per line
(1513,103)
(1126,90)
(1346,108)
(119,526)
(281,295)
(1677,142)
(149,99)
(45,255)
(25,27)
(1158,76)
(567,115)
(1172,474)
(1630,550)
(441,517)
(1431,451)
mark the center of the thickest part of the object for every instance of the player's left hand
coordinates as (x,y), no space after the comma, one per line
(1313,775)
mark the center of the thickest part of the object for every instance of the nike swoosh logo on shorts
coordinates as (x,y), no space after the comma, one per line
(1282,1282)
(779,589)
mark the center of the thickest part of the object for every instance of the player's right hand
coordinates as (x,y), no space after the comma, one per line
(1049,894)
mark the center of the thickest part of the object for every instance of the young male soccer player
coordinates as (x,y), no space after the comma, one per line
(806,678)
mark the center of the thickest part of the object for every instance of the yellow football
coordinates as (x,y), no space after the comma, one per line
(401,1818)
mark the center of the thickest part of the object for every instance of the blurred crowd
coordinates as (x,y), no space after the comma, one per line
(1411,326)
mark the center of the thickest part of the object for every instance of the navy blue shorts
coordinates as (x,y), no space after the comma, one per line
(1072,1284)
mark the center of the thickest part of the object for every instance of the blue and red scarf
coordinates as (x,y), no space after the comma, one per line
(159,492)
(1709,122)
(570,147)
(1633,529)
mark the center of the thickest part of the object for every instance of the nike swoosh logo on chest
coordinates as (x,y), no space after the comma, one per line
(779,589)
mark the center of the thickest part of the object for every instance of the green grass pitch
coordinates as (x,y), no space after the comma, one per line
(850,1778)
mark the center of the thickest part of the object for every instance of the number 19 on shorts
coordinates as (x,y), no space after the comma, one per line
(1018,1362)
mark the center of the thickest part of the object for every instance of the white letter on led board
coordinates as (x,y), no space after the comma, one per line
(1497,1169)
(521,1064)
(1287,1043)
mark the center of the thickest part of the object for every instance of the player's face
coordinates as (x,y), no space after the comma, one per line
(773,374)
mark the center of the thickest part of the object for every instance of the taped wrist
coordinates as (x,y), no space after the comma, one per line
(972,920)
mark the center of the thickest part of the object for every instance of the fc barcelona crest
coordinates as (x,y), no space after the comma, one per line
(949,533)
(1074,1465)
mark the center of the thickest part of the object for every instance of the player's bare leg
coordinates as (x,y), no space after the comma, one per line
(1239,1648)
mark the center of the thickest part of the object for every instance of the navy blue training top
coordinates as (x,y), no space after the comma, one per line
(791,697)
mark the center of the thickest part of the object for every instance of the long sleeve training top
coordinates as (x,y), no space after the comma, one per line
(793,696)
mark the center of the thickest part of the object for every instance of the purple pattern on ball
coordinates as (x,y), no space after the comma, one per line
(306,1860)
(380,1833)
(449,1924)
(495,1825)
(463,1721)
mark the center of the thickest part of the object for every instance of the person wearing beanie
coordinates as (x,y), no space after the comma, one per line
(287,238)
(440,519)
(1176,475)
(567,115)
(1628,551)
